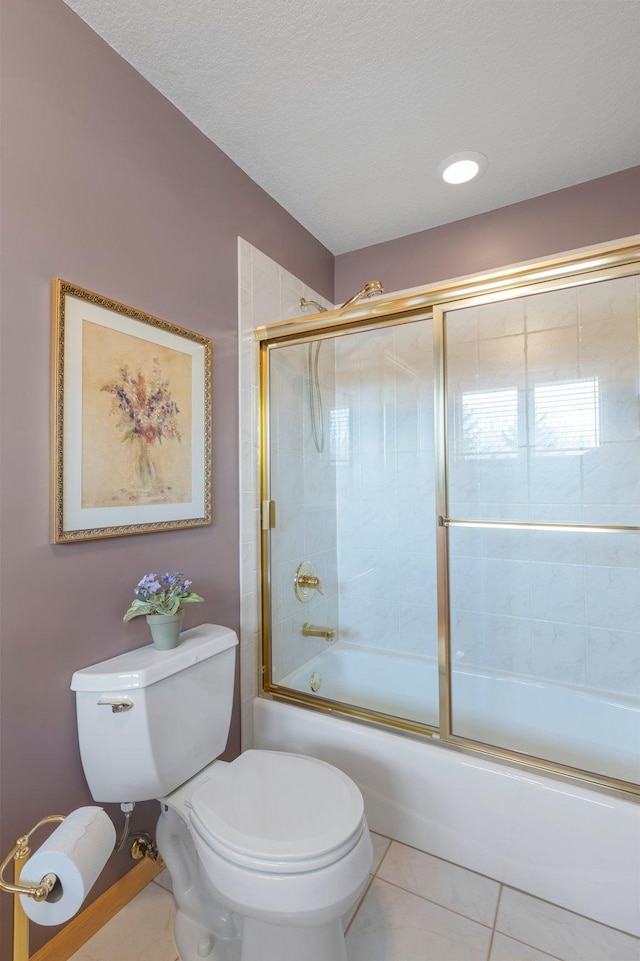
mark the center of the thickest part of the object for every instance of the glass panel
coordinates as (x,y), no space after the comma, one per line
(362,511)
(542,425)
(542,395)
(545,642)
(302,483)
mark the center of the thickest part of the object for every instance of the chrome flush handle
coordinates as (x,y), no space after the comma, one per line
(118,705)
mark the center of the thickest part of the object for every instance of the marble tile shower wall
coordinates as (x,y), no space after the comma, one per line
(561,606)
(267,293)
(385,489)
(303,484)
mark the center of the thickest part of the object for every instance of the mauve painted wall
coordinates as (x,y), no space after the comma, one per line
(589,213)
(107,185)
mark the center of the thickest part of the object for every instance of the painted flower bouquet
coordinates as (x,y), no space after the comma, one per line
(145,406)
(147,416)
(161,595)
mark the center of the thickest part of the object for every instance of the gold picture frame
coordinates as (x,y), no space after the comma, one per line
(131,420)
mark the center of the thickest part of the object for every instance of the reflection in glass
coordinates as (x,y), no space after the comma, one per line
(566,416)
(544,626)
(490,423)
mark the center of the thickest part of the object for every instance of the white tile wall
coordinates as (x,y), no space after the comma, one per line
(385,492)
(581,592)
(268,293)
(303,481)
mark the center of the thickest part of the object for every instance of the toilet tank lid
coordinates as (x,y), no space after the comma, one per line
(146,665)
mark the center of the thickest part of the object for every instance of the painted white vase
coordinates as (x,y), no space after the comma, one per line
(165,630)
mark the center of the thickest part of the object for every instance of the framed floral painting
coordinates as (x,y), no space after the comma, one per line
(131,420)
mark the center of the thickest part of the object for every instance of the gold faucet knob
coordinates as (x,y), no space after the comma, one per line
(311,582)
(306,581)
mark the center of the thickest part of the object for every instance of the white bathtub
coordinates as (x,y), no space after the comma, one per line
(553,838)
(587,730)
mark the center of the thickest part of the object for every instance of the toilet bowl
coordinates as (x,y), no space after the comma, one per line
(266,853)
(281,841)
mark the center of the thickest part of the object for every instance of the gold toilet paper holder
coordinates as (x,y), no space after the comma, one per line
(39,892)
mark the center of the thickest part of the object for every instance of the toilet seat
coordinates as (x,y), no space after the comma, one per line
(277,813)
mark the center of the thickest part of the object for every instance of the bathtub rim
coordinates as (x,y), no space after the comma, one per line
(612,787)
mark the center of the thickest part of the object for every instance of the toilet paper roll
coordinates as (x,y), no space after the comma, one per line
(76,853)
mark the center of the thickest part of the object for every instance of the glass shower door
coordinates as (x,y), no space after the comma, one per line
(351,474)
(543,505)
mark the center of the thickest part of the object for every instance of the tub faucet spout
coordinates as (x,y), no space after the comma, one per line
(312,630)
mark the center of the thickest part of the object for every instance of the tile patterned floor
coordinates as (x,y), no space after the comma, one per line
(142,931)
(417,908)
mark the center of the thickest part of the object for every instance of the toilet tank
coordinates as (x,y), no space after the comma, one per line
(149,720)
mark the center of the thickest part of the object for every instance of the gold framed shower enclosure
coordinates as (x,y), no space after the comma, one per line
(575,269)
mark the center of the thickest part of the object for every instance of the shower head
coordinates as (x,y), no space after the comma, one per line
(371,289)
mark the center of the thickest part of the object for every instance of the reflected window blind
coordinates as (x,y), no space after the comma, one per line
(489,423)
(567,417)
(339,435)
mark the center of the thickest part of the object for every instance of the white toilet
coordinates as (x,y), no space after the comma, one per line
(266,853)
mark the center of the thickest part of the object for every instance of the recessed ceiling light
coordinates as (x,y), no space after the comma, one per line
(459,168)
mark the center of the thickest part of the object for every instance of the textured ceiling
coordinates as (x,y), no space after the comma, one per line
(343,109)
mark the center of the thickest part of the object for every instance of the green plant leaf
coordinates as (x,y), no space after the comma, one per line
(192,598)
(138,607)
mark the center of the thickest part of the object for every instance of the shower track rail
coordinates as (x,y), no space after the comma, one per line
(539,526)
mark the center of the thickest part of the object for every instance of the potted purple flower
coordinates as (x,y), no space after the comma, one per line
(161,599)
